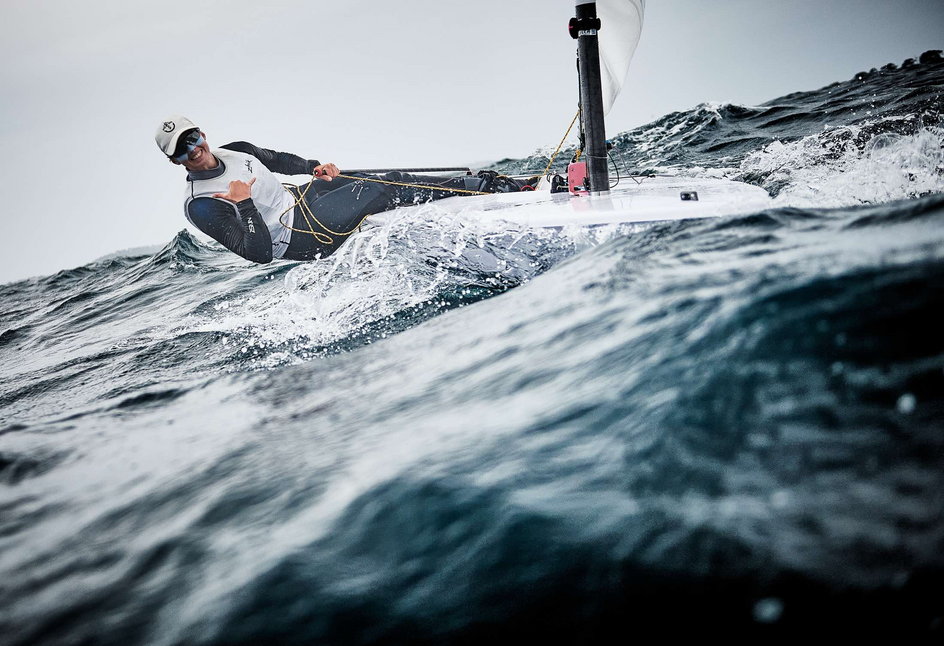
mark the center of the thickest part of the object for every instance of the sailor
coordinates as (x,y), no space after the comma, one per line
(234,197)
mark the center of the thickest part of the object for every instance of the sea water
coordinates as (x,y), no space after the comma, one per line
(447,433)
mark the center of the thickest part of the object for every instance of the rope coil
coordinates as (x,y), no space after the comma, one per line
(309,215)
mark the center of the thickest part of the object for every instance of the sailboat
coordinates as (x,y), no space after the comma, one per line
(607,32)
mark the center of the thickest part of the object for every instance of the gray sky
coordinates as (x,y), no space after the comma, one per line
(361,83)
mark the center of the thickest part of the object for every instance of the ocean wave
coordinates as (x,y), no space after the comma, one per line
(819,148)
(849,165)
(418,263)
(451,433)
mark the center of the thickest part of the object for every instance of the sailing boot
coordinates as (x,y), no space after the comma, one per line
(492,182)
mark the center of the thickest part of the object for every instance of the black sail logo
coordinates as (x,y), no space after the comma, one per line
(169,126)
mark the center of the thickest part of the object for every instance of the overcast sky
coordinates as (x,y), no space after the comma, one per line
(361,83)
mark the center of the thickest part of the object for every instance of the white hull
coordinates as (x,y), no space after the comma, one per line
(652,199)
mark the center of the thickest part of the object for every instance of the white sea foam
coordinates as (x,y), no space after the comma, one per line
(831,169)
(413,256)
(410,258)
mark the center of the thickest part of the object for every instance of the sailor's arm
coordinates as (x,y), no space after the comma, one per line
(285,163)
(233,220)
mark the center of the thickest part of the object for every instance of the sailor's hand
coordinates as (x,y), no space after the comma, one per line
(326,172)
(238,191)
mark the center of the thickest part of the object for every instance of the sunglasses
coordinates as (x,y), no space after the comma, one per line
(186,146)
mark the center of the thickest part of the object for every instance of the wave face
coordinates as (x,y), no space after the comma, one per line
(450,434)
(874,138)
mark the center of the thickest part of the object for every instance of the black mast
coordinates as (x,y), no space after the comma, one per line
(584,28)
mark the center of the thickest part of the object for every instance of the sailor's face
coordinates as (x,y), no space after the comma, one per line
(200,158)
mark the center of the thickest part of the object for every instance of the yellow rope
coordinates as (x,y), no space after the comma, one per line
(306,212)
(323,238)
(309,215)
(561,144)
(320,237)
(434,187)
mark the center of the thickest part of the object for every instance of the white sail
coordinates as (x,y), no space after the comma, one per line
(621,22)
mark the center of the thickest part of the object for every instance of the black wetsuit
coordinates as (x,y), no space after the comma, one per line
(323,219)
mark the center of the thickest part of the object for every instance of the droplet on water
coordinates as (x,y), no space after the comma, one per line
(767,611)
(906,404)
(779,499)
